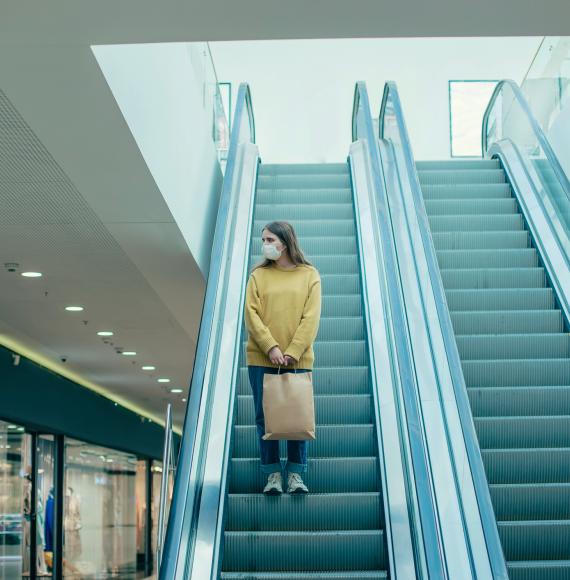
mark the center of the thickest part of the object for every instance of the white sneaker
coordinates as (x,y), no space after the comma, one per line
(274,484)
(295,484)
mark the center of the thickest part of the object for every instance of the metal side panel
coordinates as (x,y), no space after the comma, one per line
(206,563)
(387,407)
(543,219)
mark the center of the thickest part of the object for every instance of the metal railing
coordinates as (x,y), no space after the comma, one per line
(392,126)
(168,468)
(180,541)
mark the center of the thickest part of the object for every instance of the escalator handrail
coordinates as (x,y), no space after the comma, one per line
(543,141)
(427,510)
(186,492)
(481,487)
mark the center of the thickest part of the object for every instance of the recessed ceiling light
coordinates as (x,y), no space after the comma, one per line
(163,380)
(183,400)
(176,390)
(12,427)
(32,274)
(74,308)
(105,333)
(148,368)
(129,353)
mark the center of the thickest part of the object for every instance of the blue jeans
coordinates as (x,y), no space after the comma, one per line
(269,450)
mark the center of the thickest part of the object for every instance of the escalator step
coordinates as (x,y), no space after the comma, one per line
(292,551)
(507,321)
(326,381)
(475,223)
(302,196)
(341,328)
(331,441)
(521,432)
(303,168)
(455,164)
(338,511)
(510,346)
(307,211)
(459,279)
(309,180)
(519,401)
(467,191)
(536,540)
(500,299)
(340,284)
(330,475)
(498,206)
(473,240)
(348,575)
(534,501)
(527,465)
(322,227)
(543,570)
(452,176)
(510,258)
(329,409)
(519,372)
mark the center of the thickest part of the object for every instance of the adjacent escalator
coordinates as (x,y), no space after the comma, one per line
(515,354)
(337,531)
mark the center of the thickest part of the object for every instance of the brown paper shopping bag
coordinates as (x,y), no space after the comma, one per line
(288,406)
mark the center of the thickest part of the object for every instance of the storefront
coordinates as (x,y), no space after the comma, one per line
(70,509)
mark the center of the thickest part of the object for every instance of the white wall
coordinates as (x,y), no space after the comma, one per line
(160,93)
(302,91)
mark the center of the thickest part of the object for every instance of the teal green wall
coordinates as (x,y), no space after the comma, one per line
(39,399)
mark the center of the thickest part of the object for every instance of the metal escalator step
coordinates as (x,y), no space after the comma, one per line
(455,164)
(303,168)
(544,465)
(531,501)
(326,381)
(296,551)
(475,223)
(471,279)
(331,441)
(324,475)
(325,264)
(510,346)
(329,409)
(334,511)
(348,575)
(302,196)
(341,328)
(316,246)
(496,206)
(539,570)
(474,240)
(523,432)
(512,258)
(467,191)
(312,211)
(500,299)
(351,353)
(321,227)
(460,176)
(340,284)
(507,321)
(341,306)
(517,372)
(536,540)
(310,180)
(519,401)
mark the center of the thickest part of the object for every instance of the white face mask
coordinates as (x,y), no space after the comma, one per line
(271,252)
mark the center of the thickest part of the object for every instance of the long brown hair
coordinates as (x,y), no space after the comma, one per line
(286,233)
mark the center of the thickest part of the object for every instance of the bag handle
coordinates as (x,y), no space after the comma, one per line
(294,370)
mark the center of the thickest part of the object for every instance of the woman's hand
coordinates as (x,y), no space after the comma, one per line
(289,360)
(276,356)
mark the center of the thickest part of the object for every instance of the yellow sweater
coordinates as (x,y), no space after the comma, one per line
(283,308)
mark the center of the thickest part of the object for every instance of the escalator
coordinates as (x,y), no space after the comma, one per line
(515,354)
(337,531)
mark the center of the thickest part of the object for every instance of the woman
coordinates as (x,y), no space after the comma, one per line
(282,313)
